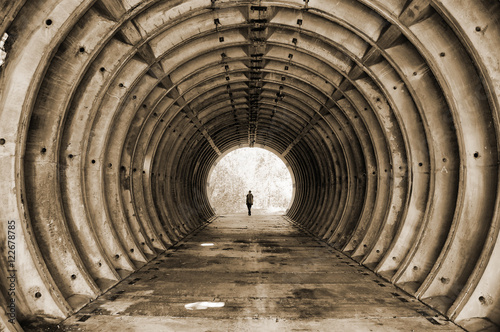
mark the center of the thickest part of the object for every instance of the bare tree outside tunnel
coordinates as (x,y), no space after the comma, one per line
(253,169)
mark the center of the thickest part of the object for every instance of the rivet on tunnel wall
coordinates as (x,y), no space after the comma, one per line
(478,29)
(38,295)
(48,22)
(442,54)
(82,49)
(43,150)
(73,276)
(2,141)
(476,154)
(482,300)
(102,69)
(93,161)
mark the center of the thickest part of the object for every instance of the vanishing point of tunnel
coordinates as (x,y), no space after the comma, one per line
(114,112)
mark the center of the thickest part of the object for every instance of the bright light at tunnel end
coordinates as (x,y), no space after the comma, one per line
(250,169)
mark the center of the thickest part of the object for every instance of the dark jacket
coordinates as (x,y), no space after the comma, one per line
(249,199)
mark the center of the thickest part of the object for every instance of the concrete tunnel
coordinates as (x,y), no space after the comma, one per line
(113,113)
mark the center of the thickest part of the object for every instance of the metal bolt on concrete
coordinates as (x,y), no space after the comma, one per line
(258,273)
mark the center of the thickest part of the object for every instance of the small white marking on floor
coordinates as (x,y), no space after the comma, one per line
(203,305)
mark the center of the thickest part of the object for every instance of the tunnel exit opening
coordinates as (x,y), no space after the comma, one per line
(245,169)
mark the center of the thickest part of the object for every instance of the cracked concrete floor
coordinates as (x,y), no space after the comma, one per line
(258,273)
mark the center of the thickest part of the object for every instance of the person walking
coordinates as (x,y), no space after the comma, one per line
(249,202)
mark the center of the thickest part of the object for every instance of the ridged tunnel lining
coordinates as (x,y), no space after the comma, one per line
(386,113)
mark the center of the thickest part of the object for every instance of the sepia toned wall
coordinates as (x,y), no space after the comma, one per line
(113,113)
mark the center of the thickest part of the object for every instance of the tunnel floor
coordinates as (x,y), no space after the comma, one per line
(258,273)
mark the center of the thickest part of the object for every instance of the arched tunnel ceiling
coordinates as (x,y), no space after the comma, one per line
(114,111)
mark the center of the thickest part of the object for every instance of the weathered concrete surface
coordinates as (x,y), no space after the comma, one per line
(269,275)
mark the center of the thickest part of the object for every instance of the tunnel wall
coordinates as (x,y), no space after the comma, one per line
(114,111)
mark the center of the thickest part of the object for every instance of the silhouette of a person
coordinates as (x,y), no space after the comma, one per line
(249,202)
